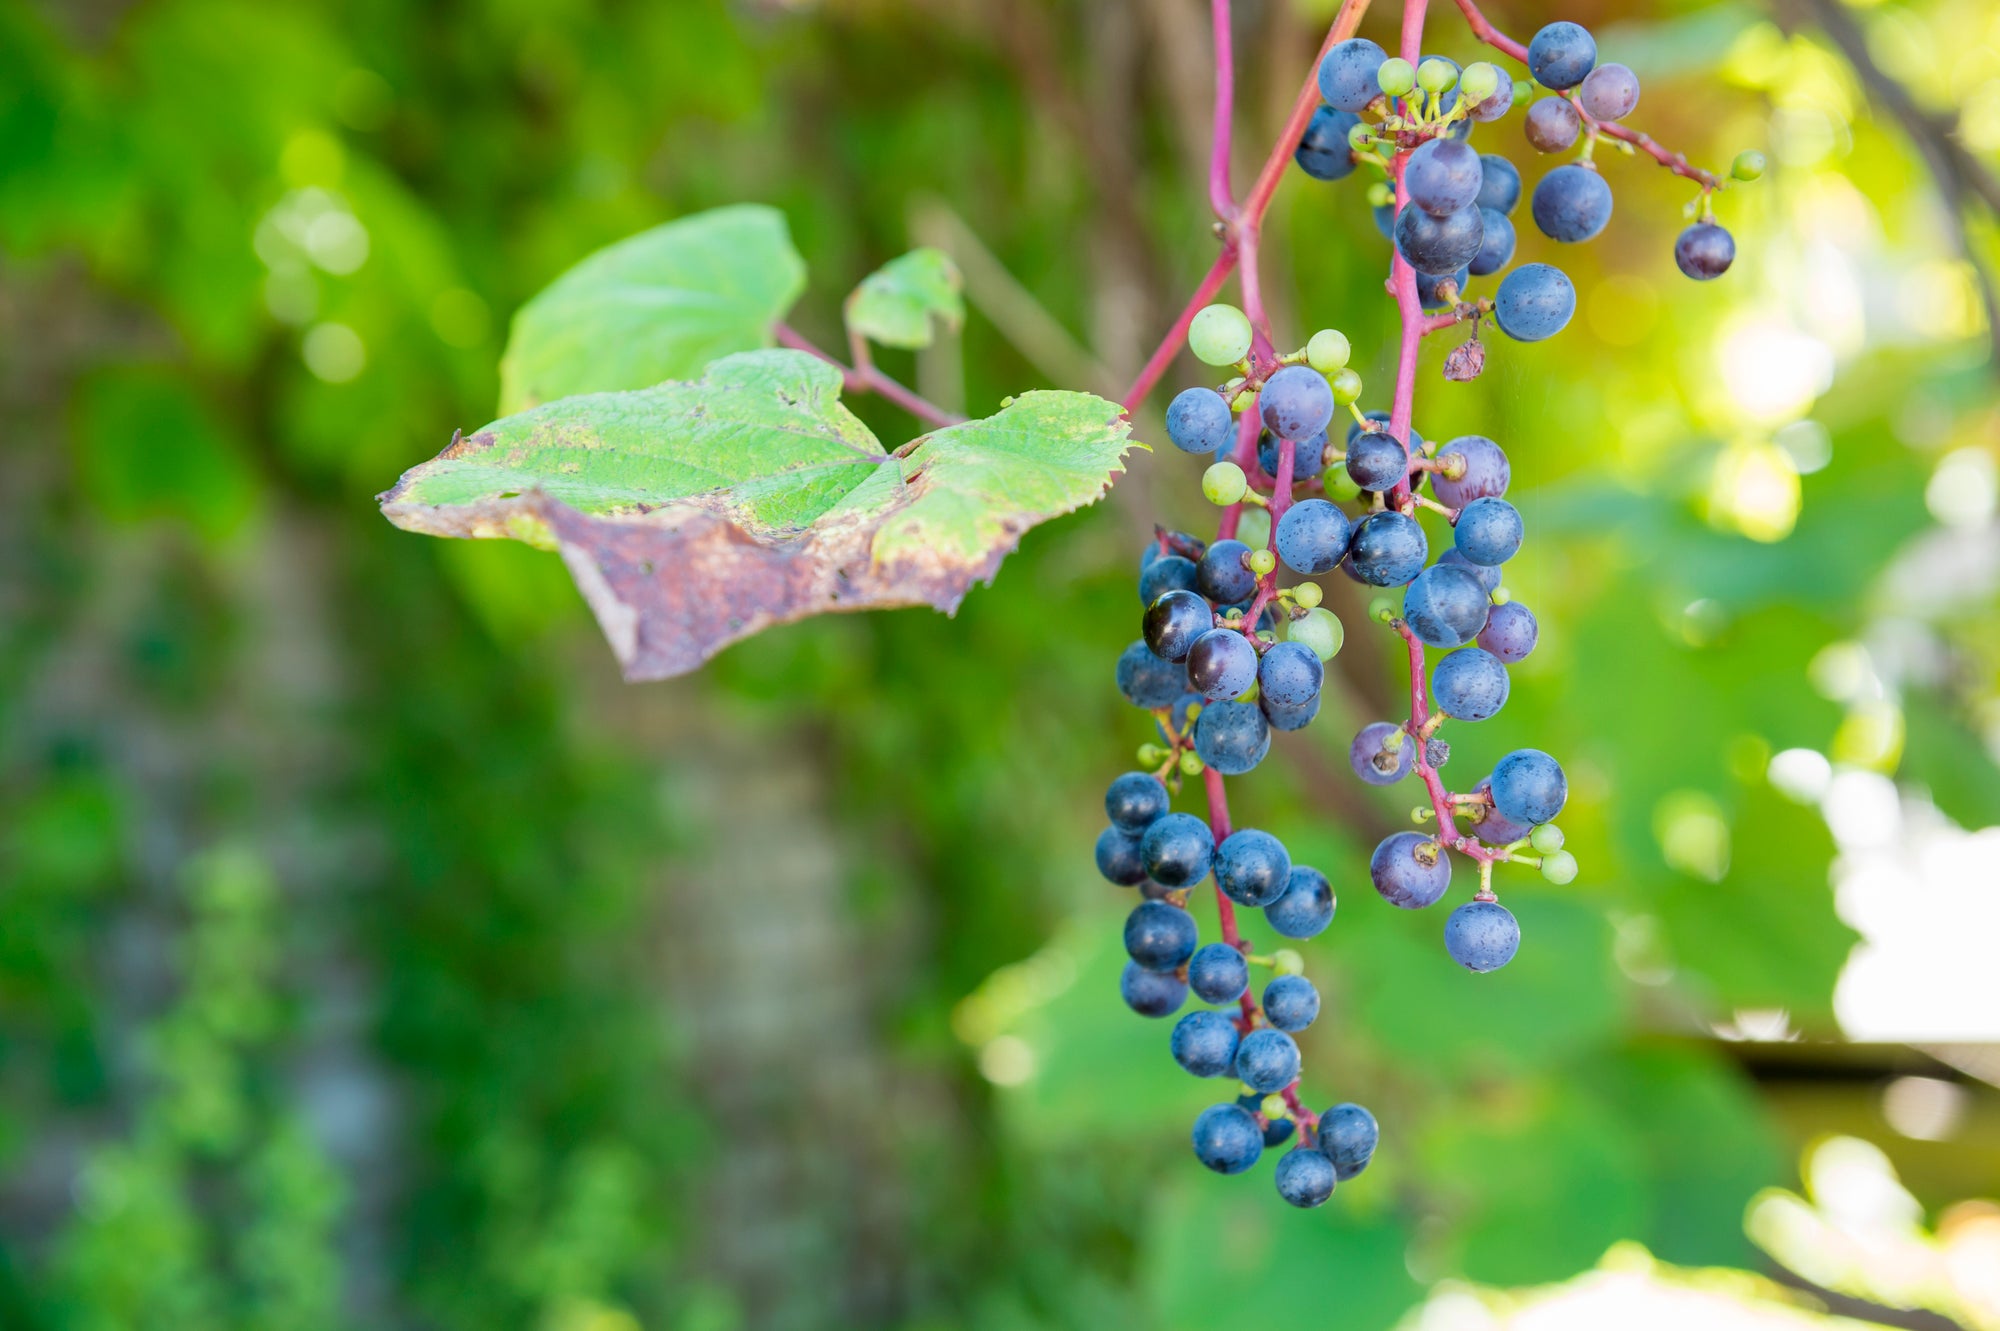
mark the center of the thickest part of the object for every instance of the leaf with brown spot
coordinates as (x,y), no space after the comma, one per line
(695,514)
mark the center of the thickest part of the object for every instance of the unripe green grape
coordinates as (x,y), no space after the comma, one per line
(1151,755)
(1346,387)
(1382,609)
(1340,486)
(1479,81)
(1396,77)
(1436,76)
(1307,595)
(1224,483)
(1262,562)
(1287,961)
(1546,839)
(1274,1106)
(1559,867)
(1328,351)
(1523,90)
(1191,764)
(1381,195)
(1255,528)
(1361,138)
(1319,630)
(1748,165)
(1219,335)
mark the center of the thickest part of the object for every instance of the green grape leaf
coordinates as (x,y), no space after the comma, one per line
(694,514)
(656,306)
(895,304)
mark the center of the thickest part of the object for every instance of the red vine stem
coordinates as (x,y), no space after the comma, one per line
(863,377)
(1219,196)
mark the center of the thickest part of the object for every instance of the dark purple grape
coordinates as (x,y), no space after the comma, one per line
(1484,471)
(1134,801)
(1159,936)
(1499,184)
(1510,632)
(1445,606)
(1388,549)
(1529,787)
(1410,870)
(1481,936)
(1226,1137)
(1296,402)
(1290,675)
(1572,203)
(1468,685)
(1198,421)
(1376,461)
(1118,857)
(1146,680)
(1308,455)
(1609,92)
(1312,537)
(1535,301)
(1323,152)
(1347,76)
(1705,251)
(1496,243)
(1231,737)
(1442,176)
(1172,624)
(1552,124)
(1221,664)
(1306,908)
(1150,994)
(1291,1003)
(1204,1043)
(1168,573)
(1267,1061)
(1371,758)
(1488,531)
(1305,1178)
(1438,244)
(1252,868)
(1222,576)
(1489,824)
(1218,974)
(1347,1136)
(1560,55)
(1178,849)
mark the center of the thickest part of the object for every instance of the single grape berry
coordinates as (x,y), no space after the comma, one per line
(1396,76)
(1438,244)
(1496,244)
(1252,867)
(1204,1043)
(1227,1138)
(1380,420)
(1267,1061)
(1481,470)
(1560,55)
(1231,737)
(1446,606)
(1609,92)
(1510,632)
(1347,76)
(1294,717)
(1572,203)
(1296,402)
(1305,1178)
(1221,664)
(1291,1003)
(1380,753)
(1222,576)
(1749,165)
(1308,455)
(1323,152)
(1218,974)
(1135,801)
(1388,549)
(1348,1136)
(1535,301)
(1430,287)
(1219,335)
(1529,787)
(1377,460)
(1481,936)
(1148,681)
(1118,857)
(1168,573)
(1552,125)
(1489,824)
(1290,675)
(1306,907)
(1198,421)
(1442,176)
(1149,993)
(1319,629)
(1159,936)
(1559,867)
(1327,351)
(1177,850)
(1547,838)
(1171,625)
(1499,184)
(1705,251)
(1488,531)
(1313,536)
(1409,869)
(1469,685)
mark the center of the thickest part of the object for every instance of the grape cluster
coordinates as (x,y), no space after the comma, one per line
(1227,655)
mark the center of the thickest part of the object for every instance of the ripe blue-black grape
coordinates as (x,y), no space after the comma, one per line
(1535,301)
(1410,870)
(1171,625)
(1499,184)
(1381,422)
(1308,455)
(1149,993)
(1470,684)
(1560,55)
(1348,1136)
(1529,787)
(1296,717)
(1489,824)
(1488,531)
(1290,675)
(1430,287)
(1377,461)
(1252,867)
(1572,203)
(1552,125)
(1306,908)
(1373,761)
(1168,573)
(1204,1043)
(1159,935)
(1482,936)
(1484,471)
(1388,549)
(1222,576)
(1291,1003)
(1323,152)
(1118,857)
(1510,632)
(1296,402)
(1134,801)
(1231,737)
(1496,243)
(1221,664)
(1609,92)
(1347,74)
(1218,974)
(1146,680)
(1177,849)
(1438,244)
(1704,251)
(1227,1139)
(1446,606)
(1277,1131)
(1442,176)
(1313,536)
(1267,1061)
(1305,1178)
(1198,421)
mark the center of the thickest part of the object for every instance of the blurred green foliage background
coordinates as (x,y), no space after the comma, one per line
(371,957)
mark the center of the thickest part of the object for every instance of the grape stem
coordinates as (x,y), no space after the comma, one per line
(863,377)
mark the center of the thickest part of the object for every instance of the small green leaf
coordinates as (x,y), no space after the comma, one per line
(656,306)
(695,514)
(895,304)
